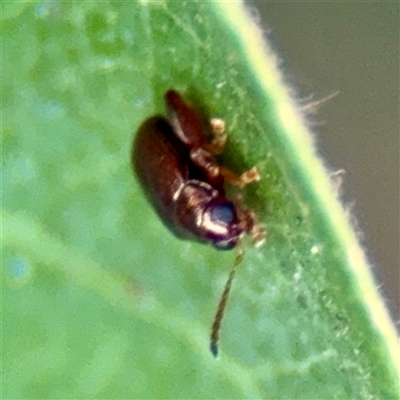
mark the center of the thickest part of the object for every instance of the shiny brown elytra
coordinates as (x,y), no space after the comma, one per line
(174,161)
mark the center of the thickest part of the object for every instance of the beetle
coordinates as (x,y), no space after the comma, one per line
(175,164)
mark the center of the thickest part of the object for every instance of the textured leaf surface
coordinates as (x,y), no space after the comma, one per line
(99,299)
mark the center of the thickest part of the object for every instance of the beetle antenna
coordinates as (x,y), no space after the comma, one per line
(222,305)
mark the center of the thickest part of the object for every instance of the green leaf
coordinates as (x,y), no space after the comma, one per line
(99,299)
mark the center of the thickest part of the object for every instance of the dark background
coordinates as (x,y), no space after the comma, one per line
(351,48)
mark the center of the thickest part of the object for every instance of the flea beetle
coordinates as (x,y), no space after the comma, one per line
(174,160)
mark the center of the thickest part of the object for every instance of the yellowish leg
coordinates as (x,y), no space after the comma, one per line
(242,180)
(219,136)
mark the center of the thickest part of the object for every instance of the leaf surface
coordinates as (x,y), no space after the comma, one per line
(99,299)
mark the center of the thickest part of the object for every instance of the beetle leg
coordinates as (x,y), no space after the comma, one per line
(249,223)
(258,234)
(257,230)
(217,174)
(219,139)
(242,180)
(209,166)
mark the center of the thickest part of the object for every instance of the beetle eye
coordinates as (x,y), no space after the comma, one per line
(223,213)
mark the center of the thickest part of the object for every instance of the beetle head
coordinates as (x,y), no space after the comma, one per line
(220,222)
